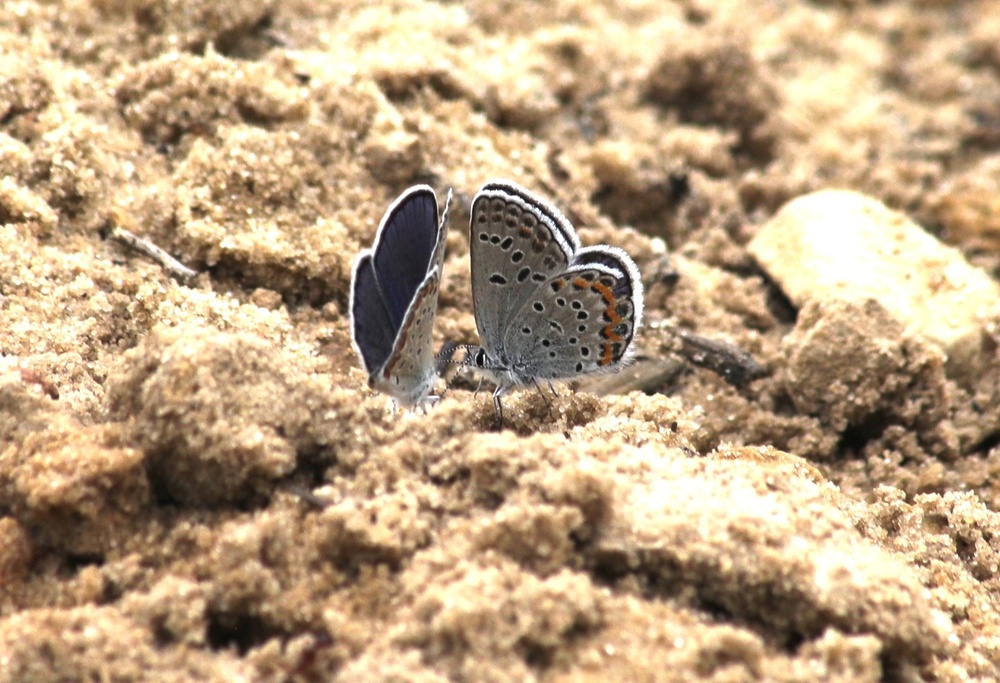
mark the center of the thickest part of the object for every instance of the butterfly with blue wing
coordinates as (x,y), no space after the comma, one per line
(394,292)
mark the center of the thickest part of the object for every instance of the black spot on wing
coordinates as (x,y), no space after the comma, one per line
(374,331)
(405,246)
(538,206)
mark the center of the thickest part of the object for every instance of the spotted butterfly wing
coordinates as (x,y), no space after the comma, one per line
(394,292)
(515,242)
(581,320)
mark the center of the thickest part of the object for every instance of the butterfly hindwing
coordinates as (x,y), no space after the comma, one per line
(581,321)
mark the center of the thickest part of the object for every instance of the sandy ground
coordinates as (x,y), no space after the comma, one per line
(834,520)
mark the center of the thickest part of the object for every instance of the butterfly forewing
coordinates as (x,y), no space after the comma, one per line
(514,246)
(373,330)
(437,257)
(404,247)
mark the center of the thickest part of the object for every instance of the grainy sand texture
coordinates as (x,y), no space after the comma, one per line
(197,484)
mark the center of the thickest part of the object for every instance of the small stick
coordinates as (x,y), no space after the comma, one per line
(308,496)
(731,363)
(646,374)
(142,245)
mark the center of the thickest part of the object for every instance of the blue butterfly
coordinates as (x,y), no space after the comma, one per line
(394,292)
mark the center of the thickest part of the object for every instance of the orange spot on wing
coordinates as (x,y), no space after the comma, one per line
(604,291)
(607,354)
(613,318)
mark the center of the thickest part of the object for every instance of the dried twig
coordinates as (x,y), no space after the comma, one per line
(731,363)
(142,245)
(308,496)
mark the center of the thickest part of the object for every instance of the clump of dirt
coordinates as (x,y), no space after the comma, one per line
(182,388)
(854,368)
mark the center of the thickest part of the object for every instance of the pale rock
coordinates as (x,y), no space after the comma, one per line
(840,245)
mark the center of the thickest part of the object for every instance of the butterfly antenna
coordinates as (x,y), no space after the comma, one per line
(449,385)
(444,358)
(448,349)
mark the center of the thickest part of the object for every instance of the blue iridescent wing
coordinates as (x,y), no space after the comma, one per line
(371,325)
(404,244)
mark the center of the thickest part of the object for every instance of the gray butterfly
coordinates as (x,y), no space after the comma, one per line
(546,309)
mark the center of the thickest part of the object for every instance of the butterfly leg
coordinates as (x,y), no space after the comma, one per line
(498,406)
(541,393)
(429,402)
